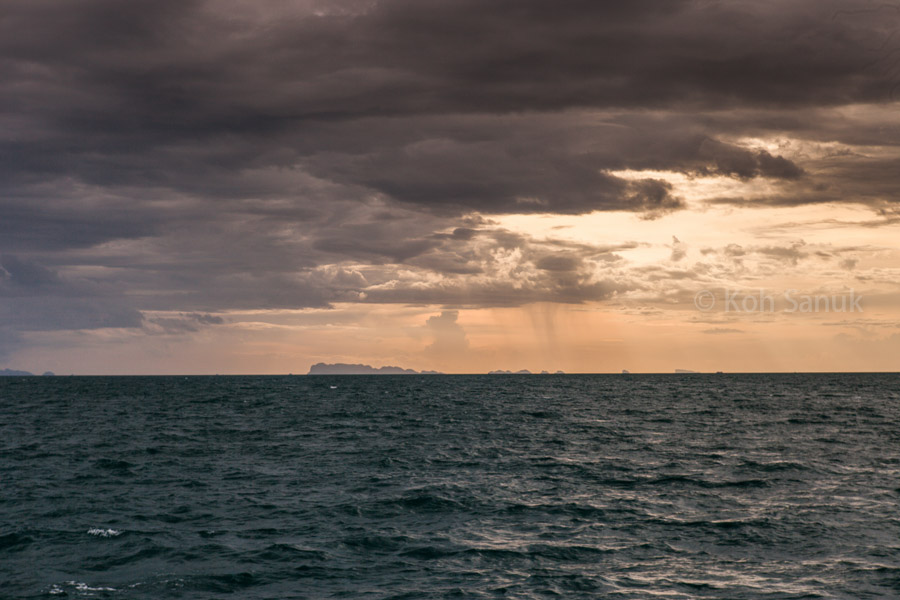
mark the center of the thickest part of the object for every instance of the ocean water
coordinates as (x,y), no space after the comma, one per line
(608,486)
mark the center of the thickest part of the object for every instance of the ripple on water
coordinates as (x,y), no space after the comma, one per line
(744,487)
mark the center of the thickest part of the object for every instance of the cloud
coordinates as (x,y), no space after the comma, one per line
(191,157)
(253,67)
(792,254)
(150,109)
(35,298)
(170,324)
(679,250)
(449,336)
(727,159)
(849,263)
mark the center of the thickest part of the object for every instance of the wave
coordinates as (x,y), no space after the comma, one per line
(104,532)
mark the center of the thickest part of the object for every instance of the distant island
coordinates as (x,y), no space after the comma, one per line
(522,372)
(358,369)
(15,373)
(682,371)
(347,369)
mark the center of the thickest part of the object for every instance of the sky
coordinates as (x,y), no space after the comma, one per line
(238,186)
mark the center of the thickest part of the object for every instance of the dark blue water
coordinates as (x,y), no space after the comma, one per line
(728,486)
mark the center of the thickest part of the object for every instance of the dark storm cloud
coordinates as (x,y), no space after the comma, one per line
(726,159)
(245,66)
(525,170)
(115,93)
(35,298)
(194,156)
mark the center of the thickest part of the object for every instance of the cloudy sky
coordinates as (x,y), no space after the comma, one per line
(239,186)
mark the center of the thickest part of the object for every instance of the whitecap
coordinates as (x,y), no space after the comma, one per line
(80,586)
(83,587)
(104,532)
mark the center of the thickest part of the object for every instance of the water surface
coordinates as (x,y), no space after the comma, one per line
(609,486)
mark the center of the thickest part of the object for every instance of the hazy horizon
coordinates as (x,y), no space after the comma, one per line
(460,373)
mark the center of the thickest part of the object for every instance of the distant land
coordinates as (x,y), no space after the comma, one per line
(522,372)
(682,371)
(345,369)
(359,369)
(15,373)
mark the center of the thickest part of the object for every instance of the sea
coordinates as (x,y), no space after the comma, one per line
(485,486)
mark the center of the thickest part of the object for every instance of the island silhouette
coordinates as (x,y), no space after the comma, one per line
(360,369)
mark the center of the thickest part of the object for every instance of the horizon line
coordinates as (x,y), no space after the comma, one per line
(467,374)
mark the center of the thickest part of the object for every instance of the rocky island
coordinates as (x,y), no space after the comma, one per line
(359,369)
